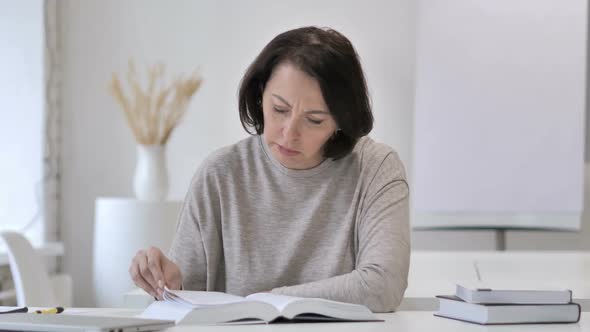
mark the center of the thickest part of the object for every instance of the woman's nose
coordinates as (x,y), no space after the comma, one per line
(291,130)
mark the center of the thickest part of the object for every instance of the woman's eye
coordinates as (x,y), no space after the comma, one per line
(317,122)
(278,110)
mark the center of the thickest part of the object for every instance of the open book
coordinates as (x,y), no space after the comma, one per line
(195,307)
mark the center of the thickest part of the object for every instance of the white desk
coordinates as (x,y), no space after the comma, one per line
(401,321)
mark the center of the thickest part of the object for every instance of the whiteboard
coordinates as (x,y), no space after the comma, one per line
(499,113)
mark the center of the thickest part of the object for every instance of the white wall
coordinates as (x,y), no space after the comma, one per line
(222,37)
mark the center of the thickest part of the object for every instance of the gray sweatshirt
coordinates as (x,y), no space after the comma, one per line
(338,231)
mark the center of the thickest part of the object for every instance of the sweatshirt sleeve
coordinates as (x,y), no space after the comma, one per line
(187,249)
(379,279)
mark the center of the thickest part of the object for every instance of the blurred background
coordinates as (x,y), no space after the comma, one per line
(65,141)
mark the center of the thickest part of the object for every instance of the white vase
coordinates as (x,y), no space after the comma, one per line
(150,182)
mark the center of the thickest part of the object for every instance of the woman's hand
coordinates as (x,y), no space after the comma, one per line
(151,270)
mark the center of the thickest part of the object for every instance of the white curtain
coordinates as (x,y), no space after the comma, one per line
(29,125)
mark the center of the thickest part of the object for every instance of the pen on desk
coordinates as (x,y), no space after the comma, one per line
(55,310)
(14,311)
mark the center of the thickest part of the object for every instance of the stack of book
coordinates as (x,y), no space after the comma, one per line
(495,306)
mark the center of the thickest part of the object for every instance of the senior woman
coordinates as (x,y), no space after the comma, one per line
(308,205)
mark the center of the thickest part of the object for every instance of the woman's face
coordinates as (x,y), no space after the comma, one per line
(297,122)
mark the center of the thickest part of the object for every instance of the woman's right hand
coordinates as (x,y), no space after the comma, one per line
(151,270)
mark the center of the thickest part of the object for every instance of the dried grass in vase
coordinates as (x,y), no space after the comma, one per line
(153,113)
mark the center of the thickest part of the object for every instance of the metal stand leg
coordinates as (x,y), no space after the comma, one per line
(500,235)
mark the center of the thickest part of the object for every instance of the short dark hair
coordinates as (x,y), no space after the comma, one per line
(327,56)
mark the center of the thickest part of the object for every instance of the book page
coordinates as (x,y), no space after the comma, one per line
(312,309)
(279,301)
(200,298)
(243,311)
(165,310)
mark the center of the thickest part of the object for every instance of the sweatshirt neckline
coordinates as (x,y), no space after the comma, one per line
(297,173)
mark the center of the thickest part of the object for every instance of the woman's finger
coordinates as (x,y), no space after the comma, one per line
(154,257)
(145,272)
(139,280)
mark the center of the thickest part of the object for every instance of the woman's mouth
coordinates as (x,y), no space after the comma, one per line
(287,152)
